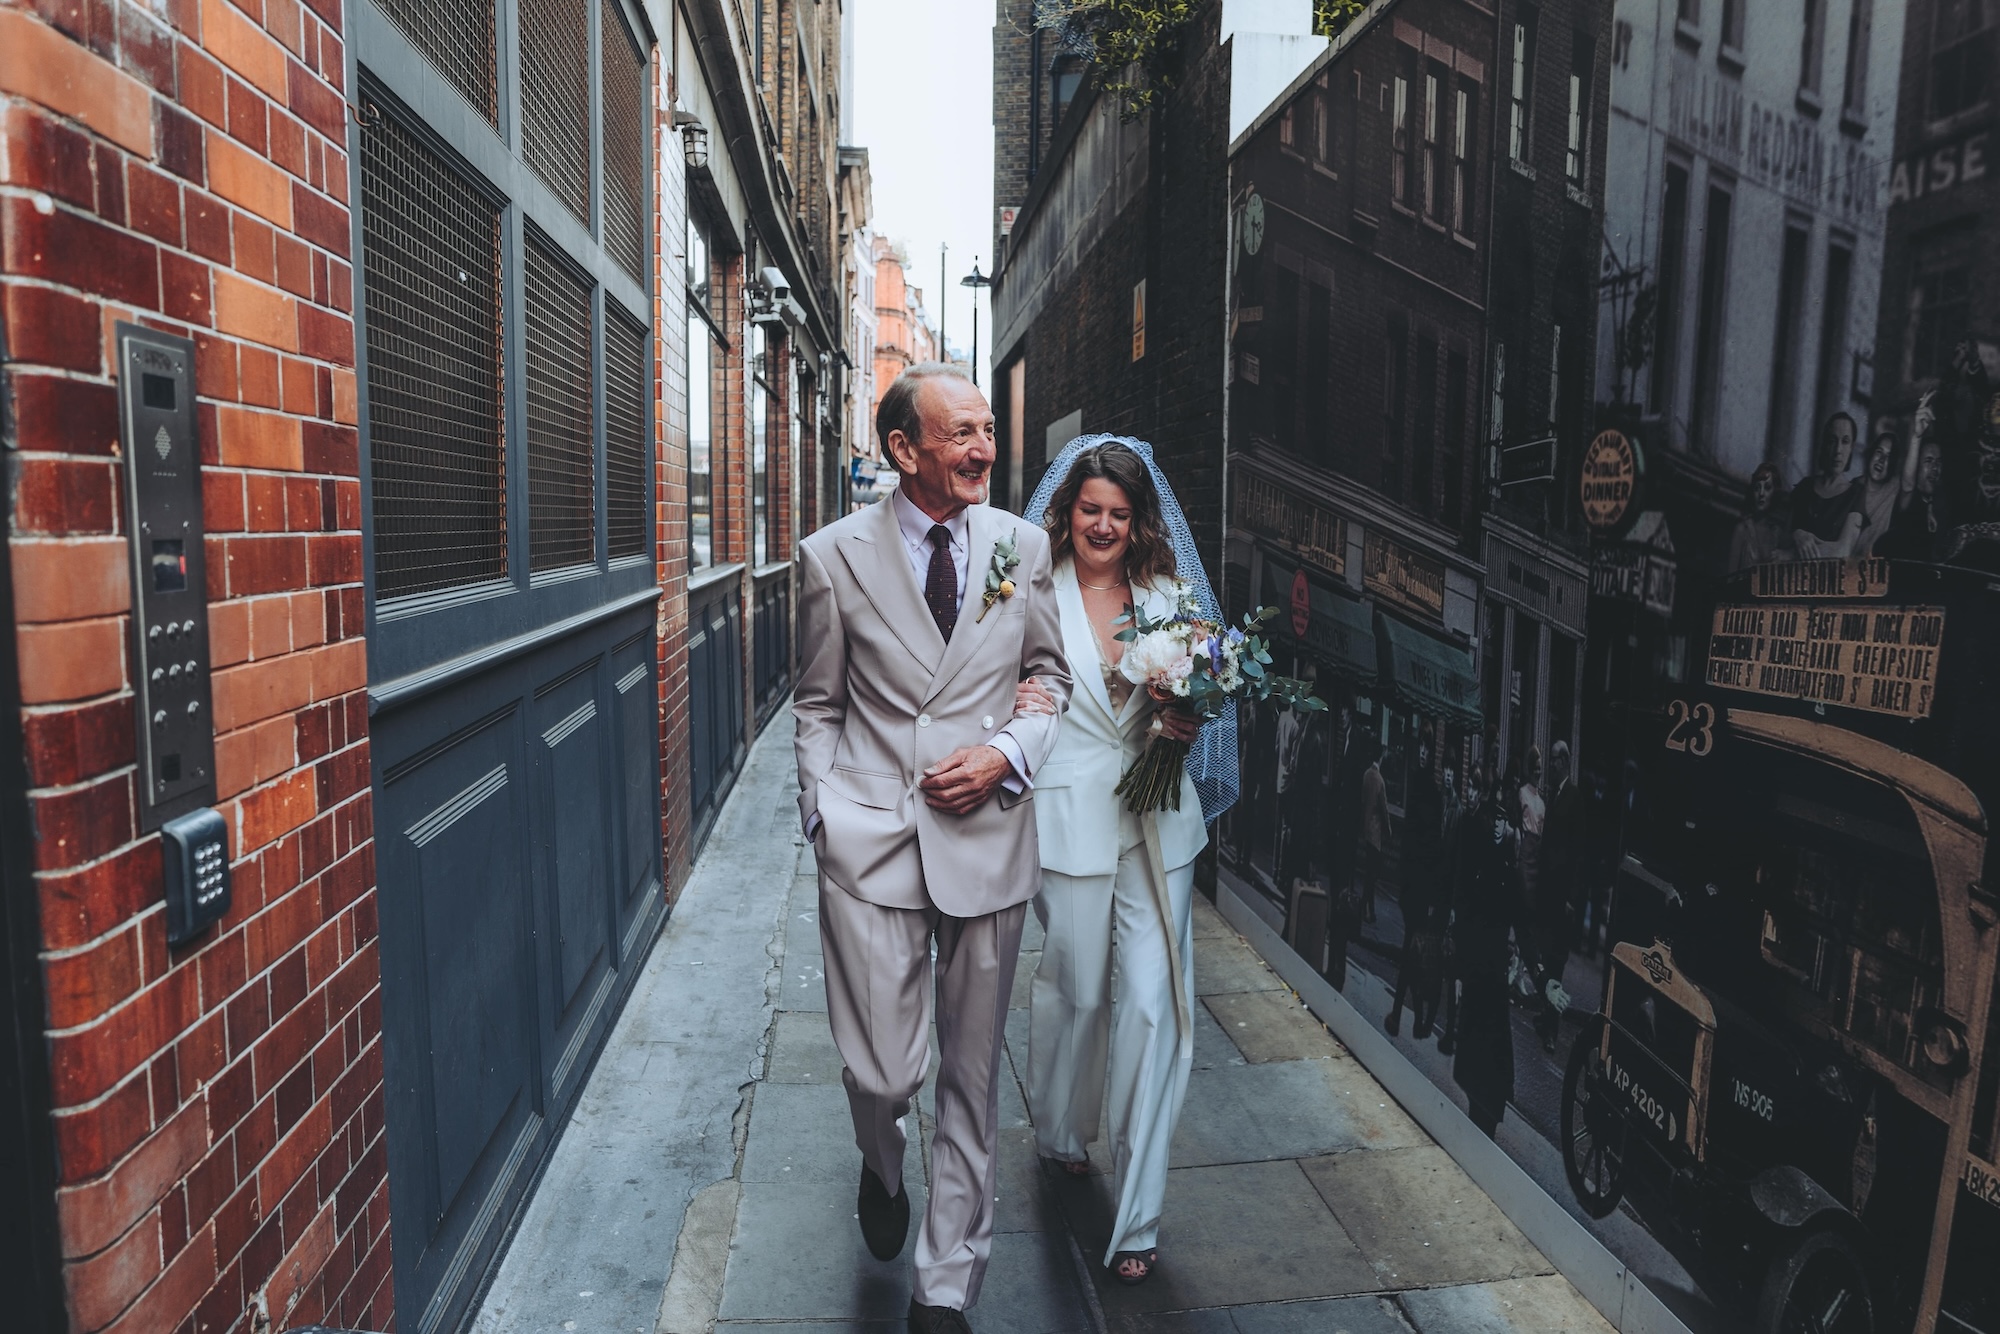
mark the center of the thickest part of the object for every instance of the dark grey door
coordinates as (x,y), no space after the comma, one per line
(501,168)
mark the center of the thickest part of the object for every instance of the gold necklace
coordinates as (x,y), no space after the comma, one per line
(1102,588)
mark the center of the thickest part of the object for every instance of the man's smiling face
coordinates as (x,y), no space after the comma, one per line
(950,467)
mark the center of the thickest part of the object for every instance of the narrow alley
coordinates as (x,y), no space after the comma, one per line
(707,1182)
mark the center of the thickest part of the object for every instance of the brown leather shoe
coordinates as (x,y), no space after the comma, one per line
(885,1221)
(936,1319)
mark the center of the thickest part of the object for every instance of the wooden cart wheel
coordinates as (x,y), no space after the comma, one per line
(1593,1132)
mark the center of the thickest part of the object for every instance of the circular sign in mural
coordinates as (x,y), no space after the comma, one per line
(1610,478)
(1302,607)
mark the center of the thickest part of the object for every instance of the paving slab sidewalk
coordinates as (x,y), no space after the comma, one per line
(1302,1198)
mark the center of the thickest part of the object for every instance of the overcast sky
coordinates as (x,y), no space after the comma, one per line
(923,108)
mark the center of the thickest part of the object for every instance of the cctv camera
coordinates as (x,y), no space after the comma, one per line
(776,283)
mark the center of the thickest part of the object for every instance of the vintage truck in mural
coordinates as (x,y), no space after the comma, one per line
(1790,1069)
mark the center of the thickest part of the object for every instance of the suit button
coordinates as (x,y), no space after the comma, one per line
(987,722)
(923,720)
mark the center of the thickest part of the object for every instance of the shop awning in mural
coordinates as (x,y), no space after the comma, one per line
(1312,617)
(1430,674)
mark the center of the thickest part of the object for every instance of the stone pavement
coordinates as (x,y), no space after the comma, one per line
(1302,1198)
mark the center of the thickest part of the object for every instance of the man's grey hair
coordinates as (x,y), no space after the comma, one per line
(899,411)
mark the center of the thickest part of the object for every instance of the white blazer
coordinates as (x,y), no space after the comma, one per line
(1076,810)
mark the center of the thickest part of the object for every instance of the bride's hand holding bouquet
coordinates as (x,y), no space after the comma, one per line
(1197,669)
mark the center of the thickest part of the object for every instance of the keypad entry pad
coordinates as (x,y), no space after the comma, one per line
(170,680)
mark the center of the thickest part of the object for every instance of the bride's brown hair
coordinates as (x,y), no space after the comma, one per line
(1151,554)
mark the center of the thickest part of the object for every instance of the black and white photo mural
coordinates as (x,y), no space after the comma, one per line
(1615,427)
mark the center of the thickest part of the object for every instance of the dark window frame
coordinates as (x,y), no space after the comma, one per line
(1711,302)
(1957,58)
(395,78)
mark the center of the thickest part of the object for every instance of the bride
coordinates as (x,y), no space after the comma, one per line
(1118,540)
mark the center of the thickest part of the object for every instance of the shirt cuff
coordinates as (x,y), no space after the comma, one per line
(1016,782)
(812,826)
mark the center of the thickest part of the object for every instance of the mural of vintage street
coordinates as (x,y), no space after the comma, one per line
(1614,421)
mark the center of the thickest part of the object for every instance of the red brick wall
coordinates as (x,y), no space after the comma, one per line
(671,504)
(218,1108)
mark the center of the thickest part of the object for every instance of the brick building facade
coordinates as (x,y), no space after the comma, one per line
(329,1104)
(1113,208)
(214,1122)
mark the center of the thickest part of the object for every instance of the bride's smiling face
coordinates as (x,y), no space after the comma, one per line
(1100,525)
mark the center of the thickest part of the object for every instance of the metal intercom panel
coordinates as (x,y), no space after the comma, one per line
(170,676)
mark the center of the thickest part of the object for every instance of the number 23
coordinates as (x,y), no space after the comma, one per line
(1691,728)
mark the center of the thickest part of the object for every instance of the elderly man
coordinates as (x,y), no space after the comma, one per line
(914,778)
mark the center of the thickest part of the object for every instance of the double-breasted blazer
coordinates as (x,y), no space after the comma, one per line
(881,696)
(1076,807)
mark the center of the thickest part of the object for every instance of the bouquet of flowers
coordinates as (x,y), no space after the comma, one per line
(1204,666)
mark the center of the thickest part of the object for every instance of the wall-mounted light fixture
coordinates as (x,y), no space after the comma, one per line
(694,139)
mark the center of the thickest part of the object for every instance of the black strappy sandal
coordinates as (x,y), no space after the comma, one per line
(1146,1261)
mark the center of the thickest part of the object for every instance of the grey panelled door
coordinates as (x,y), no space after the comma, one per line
(501,159)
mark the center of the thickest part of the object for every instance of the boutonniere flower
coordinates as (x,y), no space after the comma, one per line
(999,572)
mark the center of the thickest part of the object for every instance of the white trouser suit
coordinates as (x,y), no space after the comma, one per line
(1099,870)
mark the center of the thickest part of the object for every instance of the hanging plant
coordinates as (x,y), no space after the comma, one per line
(1330,16)
(1129,44)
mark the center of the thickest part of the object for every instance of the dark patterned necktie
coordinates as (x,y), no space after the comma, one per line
(941,587)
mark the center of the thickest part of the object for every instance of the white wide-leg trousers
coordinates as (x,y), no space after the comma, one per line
(1073,1017)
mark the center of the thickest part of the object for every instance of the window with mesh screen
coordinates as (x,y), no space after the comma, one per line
(624,139)
(626,391)
(430,254)
(562,485)
(555,97)
(457,37)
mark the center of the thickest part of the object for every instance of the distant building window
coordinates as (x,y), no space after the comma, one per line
(1461,162)
(1940,308)
(1672,276)
(702,535)
(1830,393)
(1322,130)
(1395,391)
(1065,78)
(705,446)
(764,427)
(1399,141)
(1583,54)
(1812,40)
(1732,24)
(1689,12)
(1962,56)
(1779,415)
(1424,446)
(1286,135)
(1517,125)
(1860,23)
(1433,197)
(1710,311)
(1451,446)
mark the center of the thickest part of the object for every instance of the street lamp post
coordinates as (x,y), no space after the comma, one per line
(975,280)
(944,347)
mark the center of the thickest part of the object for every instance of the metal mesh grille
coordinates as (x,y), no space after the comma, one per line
(626,493)
(561,484)
(430,257)
(624,141)
(457,37)
(555,97)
